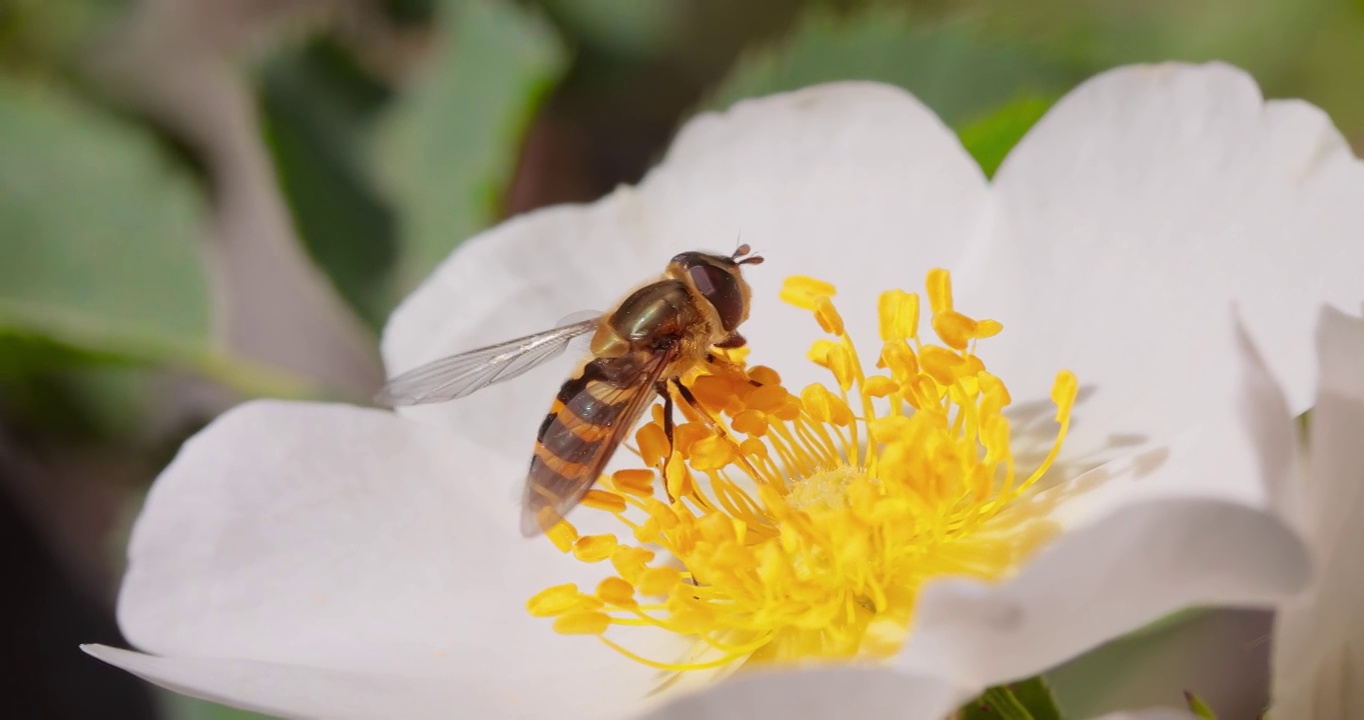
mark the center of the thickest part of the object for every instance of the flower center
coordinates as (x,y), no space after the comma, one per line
(796,526)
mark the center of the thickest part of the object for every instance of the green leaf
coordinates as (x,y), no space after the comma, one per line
(1267,37)
(183,707)
(98,231)
(99,256)
(44,38)
(60,391)
(625,28)
(454,139)
(990,138)
(950,67)
(1024,700)
(318,110)
(1198,707)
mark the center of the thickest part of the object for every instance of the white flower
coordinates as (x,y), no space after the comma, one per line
(1318,659)
(324,560)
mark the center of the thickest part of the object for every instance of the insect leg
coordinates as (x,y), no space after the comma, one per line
(715,425)
(662,388)
(689,398)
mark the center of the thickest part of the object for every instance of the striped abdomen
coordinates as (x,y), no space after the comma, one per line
(589,418)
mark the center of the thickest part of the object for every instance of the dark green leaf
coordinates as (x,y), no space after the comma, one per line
(318,108)
(454,139)
(950,67)
(1024,700)
(69,392)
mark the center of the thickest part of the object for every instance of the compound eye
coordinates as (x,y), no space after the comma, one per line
(720,288)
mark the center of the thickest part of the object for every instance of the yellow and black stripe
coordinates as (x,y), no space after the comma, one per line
(593,412)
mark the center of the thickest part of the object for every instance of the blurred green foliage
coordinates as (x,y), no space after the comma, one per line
(991,67)
(991,91)
(105,273)
(949,66)
(449,149)
(384,185)
(45,38)
(109,259)
(627,29)
(1198,707)
(319,108)
(67,391)
(101,273)
(1024,700)
(182,707)
(990,138)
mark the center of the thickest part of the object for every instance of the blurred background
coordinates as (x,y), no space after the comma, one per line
(203,201)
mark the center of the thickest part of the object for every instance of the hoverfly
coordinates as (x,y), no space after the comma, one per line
(650,339)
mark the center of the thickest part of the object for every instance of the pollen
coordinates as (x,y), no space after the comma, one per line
(795,524)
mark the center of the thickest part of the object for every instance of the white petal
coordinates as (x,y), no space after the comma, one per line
(355,542)
(1199,522)
(1243,453)
(819,693)
(292,690)
(1319,639)
(1099,583)
(1135,213)
(854,182)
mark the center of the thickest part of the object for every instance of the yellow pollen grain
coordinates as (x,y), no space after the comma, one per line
(594,548)
(805,292)
(899,315)
(819,351)
(939,286)
(829,319)
(604,500)
(563,535)
(879,386)
(750,422)
(617,591)
(634,483)
(554,601)
(764,375)
(582,623)
(955,329)
(781,527)
(652,443)
(631,563)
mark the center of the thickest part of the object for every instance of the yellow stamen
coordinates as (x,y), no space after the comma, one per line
(802,525)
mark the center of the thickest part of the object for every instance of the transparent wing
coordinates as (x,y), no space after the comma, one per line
(459,375)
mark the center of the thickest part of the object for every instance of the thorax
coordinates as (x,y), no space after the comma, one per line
(660,314)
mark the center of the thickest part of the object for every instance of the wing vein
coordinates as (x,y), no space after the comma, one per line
(460,375)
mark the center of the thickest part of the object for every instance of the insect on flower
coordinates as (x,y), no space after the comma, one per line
(638,349)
